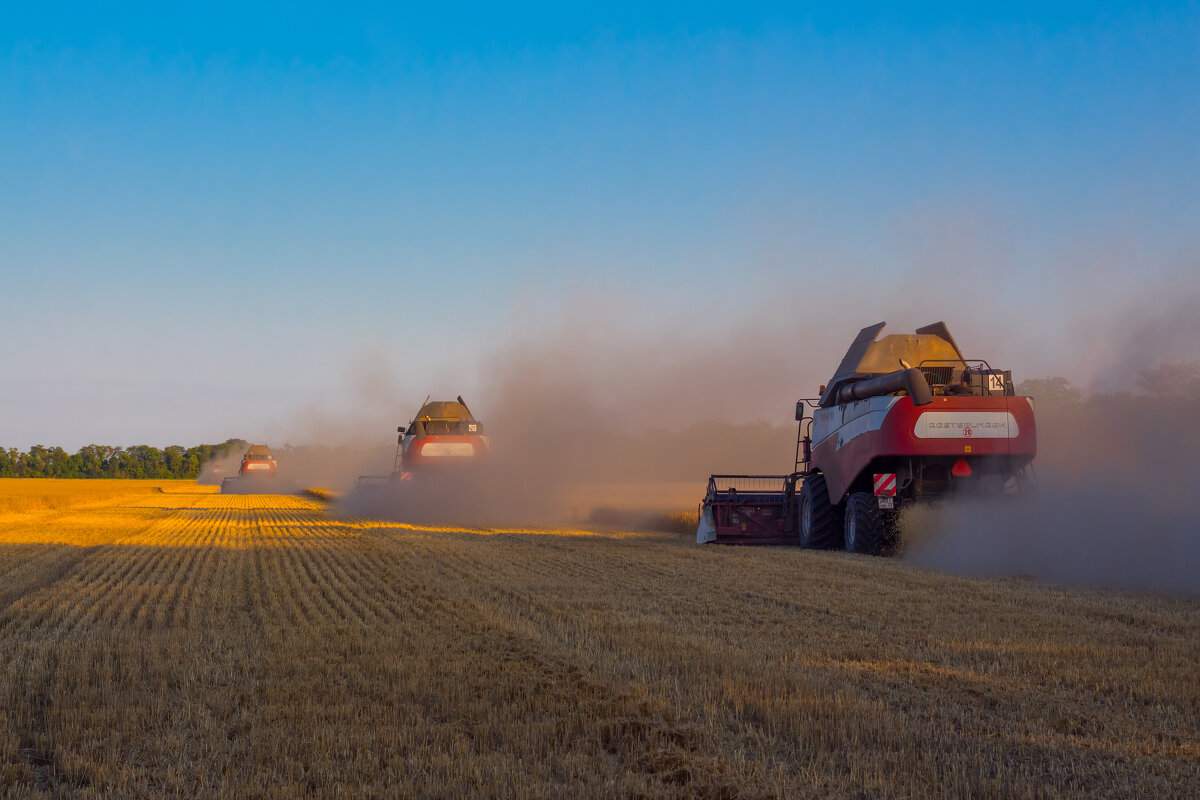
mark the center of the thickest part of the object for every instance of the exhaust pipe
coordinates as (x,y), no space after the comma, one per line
(910,380)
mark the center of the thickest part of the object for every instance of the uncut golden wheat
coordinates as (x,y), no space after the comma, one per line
(48,494)
(210,645)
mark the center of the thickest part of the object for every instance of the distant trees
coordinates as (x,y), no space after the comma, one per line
(1177,382)
(1147,429)
(103,461)
(1171,381)
(1054,390)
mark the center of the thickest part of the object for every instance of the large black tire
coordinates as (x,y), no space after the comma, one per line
(820,523)
(866,531)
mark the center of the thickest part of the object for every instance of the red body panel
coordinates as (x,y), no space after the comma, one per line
(752,509)
(896,436)
(754,521)
(414,456)
(257,467)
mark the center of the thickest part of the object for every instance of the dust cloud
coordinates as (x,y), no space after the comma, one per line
(1117,473)
(591,411)
(300,467)
(220,468)
(345,434)
(618,399)
(1106,535)
(311,466)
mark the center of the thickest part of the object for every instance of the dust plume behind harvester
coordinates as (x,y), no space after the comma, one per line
(905,419)
(258,473)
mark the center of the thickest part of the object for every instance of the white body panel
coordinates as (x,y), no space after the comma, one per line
(437,449)
(966,425)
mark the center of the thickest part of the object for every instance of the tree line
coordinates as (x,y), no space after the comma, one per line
(103,461)
(1171,383)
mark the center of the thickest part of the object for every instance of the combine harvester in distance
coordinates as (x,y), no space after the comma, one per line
(257,474)
(442,438)
(905,419)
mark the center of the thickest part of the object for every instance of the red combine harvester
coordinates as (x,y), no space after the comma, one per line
(881,438)
(258,466)
(442,436)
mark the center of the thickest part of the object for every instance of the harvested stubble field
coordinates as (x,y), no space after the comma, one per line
(163,640)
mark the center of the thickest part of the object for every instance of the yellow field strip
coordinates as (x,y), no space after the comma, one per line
(195,644)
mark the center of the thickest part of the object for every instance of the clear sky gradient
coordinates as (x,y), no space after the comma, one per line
(205,204)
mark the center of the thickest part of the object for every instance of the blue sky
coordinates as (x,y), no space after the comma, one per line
(209,202)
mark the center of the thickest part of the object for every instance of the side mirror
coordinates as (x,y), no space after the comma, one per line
(799,410)
(400,429)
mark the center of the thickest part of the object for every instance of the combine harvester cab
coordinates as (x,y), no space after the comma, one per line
(258,470)
(905,419)
(442,437)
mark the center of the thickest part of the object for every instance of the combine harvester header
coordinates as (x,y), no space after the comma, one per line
(905,419)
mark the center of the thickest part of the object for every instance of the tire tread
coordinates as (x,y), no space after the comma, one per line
(827,518)
(870,536)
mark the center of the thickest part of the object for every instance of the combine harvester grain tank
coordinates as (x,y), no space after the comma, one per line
(905,419)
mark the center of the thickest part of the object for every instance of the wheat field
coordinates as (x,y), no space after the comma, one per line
(162,640)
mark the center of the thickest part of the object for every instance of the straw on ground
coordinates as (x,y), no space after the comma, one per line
(163,640)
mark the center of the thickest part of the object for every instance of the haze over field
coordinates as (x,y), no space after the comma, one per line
(293,226)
